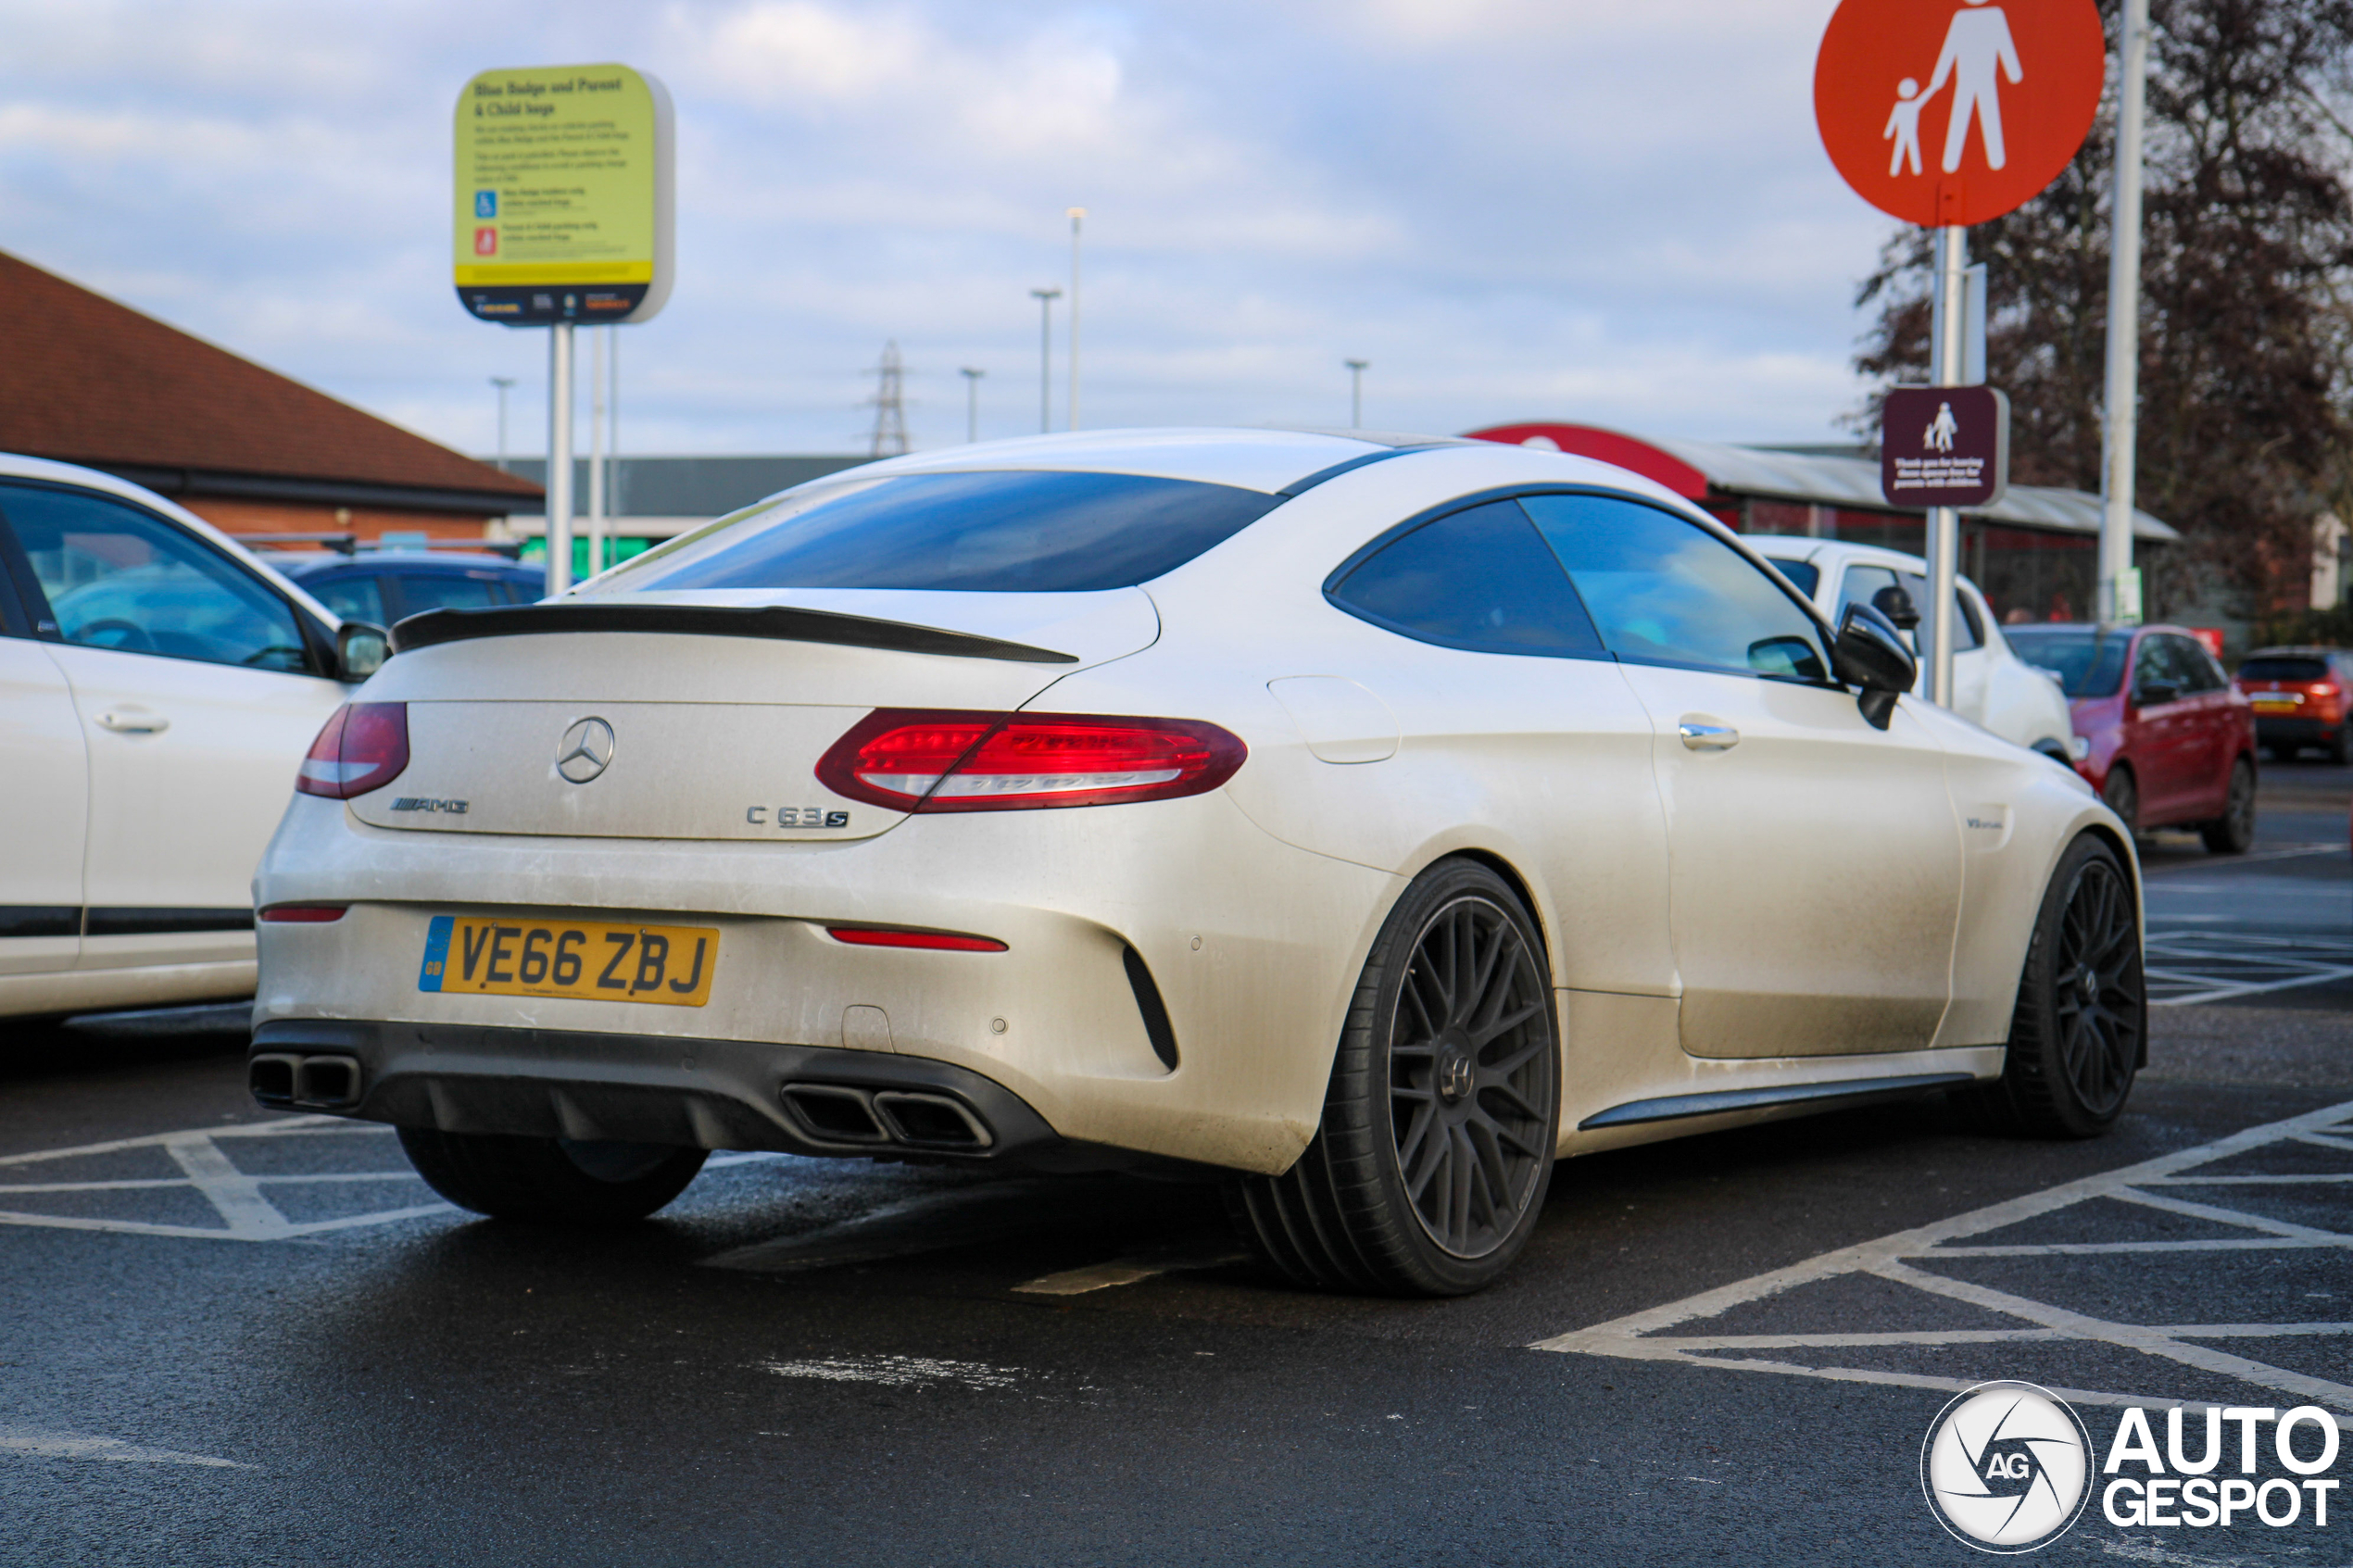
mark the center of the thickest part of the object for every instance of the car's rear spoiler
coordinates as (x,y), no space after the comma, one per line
(781,621)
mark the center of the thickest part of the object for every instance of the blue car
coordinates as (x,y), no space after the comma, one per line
(383,586)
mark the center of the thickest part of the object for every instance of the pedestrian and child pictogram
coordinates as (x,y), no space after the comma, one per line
(2011,89)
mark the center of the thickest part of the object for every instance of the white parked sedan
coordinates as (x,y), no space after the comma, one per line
(1367,821)
(1992,686)
(157,687)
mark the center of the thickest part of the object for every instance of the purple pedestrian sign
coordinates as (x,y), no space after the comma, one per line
(1943,446)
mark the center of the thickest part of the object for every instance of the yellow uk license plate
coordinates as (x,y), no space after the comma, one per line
(589,959)
(2274,705)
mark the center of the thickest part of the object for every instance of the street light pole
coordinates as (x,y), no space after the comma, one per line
(2120,597)
(1077,216)
(971,402)
(1045,298)
(1356,369)
(559,458)
(502,384)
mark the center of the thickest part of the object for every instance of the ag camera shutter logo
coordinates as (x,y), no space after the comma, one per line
(2007,1467)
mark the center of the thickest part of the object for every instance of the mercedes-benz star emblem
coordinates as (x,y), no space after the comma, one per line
(586,751)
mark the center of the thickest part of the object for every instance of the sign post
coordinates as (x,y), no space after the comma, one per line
(2013,89)
(564,205)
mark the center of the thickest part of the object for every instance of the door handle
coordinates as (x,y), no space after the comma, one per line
(133,723)
(1707,737)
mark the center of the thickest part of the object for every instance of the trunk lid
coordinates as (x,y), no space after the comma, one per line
(700,734)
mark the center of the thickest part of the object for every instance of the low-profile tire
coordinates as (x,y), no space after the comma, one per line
(2081,1026)
(1429,1169)
(551,1181)
(2233,833)
(2121,795)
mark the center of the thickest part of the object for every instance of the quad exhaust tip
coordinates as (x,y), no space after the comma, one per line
(842,1113)
(321,1083)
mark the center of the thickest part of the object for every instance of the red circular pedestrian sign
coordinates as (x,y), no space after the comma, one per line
(1943,112)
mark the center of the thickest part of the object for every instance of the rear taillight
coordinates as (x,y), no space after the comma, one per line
(914,760)
(937,941)
(363,748)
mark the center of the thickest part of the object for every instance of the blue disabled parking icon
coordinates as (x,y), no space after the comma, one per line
(485,204)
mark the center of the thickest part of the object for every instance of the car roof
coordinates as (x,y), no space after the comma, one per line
(407,560)
(2306,652)
(1265,461)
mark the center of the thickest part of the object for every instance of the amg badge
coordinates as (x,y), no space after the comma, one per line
(425,803)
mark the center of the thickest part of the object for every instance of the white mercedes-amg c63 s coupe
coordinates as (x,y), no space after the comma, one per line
(1365,820)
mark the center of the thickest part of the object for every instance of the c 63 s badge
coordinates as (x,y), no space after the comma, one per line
(795,817)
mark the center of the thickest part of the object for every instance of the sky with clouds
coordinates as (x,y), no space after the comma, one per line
(1606,210)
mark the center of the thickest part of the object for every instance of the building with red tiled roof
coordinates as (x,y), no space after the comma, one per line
(84,380)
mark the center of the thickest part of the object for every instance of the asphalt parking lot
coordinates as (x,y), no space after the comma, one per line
(232,1338)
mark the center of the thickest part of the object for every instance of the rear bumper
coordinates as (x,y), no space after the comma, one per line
(657,1089)
(2286,731)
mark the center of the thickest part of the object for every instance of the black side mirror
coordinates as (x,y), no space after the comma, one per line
(360,650)
(1871,654)
(2153,694)
(1894,601)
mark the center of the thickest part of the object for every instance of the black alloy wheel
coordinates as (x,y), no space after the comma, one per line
(2121,795)
(2079,1032)
(2233,833)
(1430,1166)
(551,1181)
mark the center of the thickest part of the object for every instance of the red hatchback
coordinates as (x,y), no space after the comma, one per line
(2302,696)
(2173,746)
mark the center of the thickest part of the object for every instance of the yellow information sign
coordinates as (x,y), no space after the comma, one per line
(563,196)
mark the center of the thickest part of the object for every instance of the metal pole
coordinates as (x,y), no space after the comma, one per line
(2120,422)
(1356,392)
(971,402)
(597,342)
(559,458)
(1945,522)
(612,436)
(502,384)
(1078,216)
(1045,298)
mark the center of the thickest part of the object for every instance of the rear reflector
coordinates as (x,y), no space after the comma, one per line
(940,941)
(364,746)
(304,914)
(912,761)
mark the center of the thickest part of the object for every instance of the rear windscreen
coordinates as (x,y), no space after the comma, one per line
(1006,533)
(2284,669)
(2088,663)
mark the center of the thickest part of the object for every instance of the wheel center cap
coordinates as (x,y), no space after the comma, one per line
(1456,1073)
(2087,983)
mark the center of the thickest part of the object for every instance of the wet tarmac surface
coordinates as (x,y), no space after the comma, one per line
(228,1336)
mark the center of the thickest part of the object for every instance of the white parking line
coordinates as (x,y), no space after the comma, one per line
(246,1210)
(1646,1335)
(74,1445)
(2189,968)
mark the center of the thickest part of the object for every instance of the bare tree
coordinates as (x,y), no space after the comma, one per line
(2246,316)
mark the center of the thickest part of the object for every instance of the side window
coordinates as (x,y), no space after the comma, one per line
(353,599)
(1664,591)
(2199,673)
(1859,584)
(1967,631)
(1479,579)
(422,591)
(2154,661)
(117,578)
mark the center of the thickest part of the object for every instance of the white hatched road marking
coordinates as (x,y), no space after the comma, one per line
(74,1445)
(240,1200)
(1644,1336)
(2187,968)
